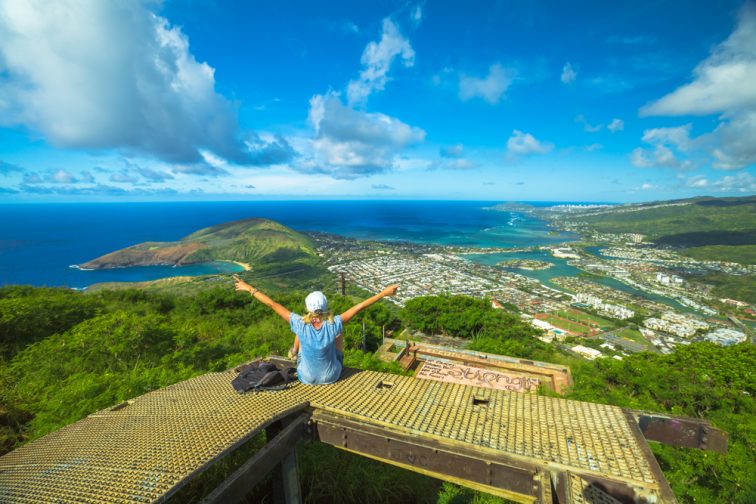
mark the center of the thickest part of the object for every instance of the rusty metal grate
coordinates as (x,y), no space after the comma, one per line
(593,437)
(143,450)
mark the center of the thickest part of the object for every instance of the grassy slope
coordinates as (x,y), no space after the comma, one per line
(710,229)
(742,288)
(257,241)
(706,217)
(252,240)
(743,254)
(134,341)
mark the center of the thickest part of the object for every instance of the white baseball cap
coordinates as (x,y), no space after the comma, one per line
(316,301)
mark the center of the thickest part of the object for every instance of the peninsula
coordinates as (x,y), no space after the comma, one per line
(247,241)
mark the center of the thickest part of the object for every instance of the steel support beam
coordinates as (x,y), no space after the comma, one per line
(681,431)
(278,453)
(286,489)
(516,481)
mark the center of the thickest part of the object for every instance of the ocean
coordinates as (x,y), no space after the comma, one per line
(40,242)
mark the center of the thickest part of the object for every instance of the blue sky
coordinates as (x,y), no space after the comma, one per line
(508,100)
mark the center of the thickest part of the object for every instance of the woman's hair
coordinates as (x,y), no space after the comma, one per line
(307,319)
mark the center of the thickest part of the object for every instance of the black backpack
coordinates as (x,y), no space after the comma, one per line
(261,375)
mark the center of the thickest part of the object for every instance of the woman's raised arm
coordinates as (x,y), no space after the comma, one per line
(281,310)
(354,310)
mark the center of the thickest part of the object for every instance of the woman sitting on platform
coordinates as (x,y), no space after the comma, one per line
(318,344)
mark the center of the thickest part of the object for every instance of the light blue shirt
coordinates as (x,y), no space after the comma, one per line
(318,361)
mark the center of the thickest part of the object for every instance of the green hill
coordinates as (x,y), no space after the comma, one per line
(67,354)
(706,228)
(255,241)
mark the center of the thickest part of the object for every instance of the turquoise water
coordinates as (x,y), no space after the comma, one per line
(562,268)
(145,273)
(38,242)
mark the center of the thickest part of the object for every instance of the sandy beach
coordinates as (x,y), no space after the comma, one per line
(244,265)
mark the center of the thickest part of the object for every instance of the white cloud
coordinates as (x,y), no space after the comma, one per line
(462,164)
(669,146)
(742,182)
(679,136)
(590,128)
(723,84)
(569,74)
(593,147)
(659,156)
(62,177)
(646,186)
(58,177)
(269,150)
(95,190)
(350,27)
(406,163)
(349,143)
(520,144)
(124,177)
(199,168)
(698,182)
(376,62)
(450,163)
(735,142)
(640,158)
(490,88)
(99,75)
(616,125)
(417,15)
(382,187)
(153,175)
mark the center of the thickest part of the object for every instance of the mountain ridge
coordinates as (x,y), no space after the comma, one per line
(252,240)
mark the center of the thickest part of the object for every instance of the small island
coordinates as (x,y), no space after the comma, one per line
(526,264)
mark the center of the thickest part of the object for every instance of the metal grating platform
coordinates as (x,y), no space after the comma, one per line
(593,437)
(145,449)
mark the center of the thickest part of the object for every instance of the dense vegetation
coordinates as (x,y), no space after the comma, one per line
(495,331)
(743,254)
(742,288)
(66,354)
(701,381)
(696,226)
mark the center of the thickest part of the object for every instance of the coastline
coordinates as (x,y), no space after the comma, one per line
(244,265)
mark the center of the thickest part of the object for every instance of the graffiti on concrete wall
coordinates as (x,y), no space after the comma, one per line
(477,377)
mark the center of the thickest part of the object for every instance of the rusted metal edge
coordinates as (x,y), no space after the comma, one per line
(496,473)
(483,452)
(236,486)
(514,481)
(681,431)
(666,494)
(230,449)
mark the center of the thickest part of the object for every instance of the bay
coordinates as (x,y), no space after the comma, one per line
(39,242)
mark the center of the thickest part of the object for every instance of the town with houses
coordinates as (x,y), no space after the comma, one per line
(656,310)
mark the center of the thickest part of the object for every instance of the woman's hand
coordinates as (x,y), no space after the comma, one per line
(390,290)
(241,285)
